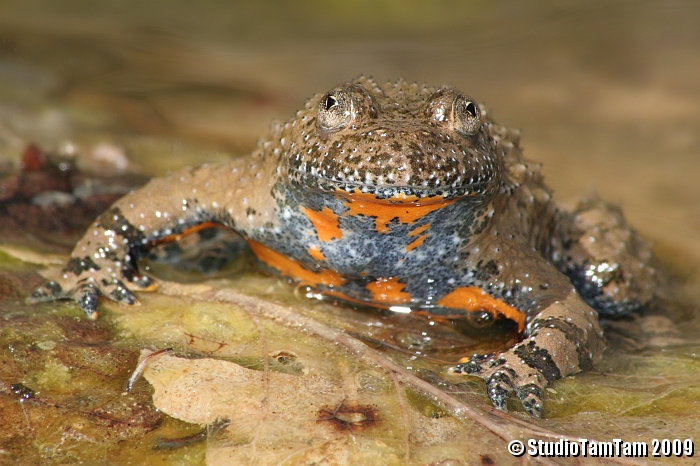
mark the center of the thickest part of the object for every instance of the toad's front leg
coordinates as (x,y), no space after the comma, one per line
(561,339)
(103,263)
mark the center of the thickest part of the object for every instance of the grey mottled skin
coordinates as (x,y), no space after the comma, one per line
(398,195)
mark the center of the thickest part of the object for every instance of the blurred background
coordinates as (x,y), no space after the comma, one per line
(607,94)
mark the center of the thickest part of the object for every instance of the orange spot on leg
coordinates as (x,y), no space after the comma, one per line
(388,291)
(325,223)
(187,232)
(473,298)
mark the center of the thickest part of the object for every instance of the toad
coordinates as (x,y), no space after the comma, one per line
(403,197)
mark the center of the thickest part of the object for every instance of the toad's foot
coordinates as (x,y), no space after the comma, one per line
(564,338)
(87,285)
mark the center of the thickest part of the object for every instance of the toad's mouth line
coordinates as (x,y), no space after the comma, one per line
(399,199)
(384,190)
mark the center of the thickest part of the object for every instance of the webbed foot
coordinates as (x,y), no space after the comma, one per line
(563,338)
(84,289)
(503,379)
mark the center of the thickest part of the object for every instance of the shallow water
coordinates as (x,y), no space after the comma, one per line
(607,95)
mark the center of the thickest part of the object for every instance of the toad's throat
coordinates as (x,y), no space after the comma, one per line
(400,198)
(401,209)
(385,188)
(406,208)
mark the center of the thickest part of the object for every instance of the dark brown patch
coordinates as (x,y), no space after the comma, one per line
(571,332)
(46,203)
(125,417)
(538,358)
(33,158)
(487,460)
(352,417)
(96,359)
(84,332)
(16,284)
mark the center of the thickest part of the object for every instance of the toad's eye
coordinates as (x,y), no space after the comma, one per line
(466,116)
(335,110)
(450,109)
(329,102)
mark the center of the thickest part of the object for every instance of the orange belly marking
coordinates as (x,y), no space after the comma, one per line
(417,242)
(388,291)
(473,298)
(417,231)
(325,223)
(407,209)
(316,253)
(293,269)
